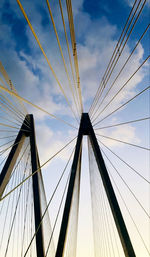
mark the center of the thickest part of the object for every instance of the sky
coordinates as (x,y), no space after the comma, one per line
(98,25)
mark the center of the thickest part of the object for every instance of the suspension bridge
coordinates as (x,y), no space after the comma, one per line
(43,209)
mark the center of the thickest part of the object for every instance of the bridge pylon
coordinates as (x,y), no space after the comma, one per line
(86,128)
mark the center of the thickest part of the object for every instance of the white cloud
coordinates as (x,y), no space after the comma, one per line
(50,141)
(126,133)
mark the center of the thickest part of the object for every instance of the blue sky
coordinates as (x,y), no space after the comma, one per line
(98,25)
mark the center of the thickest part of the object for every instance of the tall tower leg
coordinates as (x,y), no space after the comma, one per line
(118,218)
(13,155)
(67,208)
(36,191)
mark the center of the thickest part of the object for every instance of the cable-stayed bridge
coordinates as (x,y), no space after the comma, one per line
(34,223)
